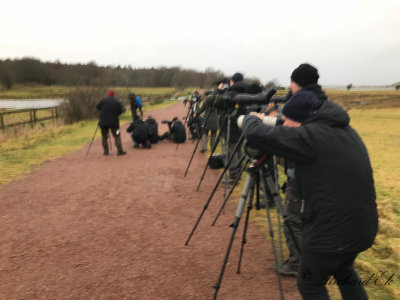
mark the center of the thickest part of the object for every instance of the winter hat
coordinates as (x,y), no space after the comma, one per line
(305,74)
(237,77)
(110,93)
(298,106)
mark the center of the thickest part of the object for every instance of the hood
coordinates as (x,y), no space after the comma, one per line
(328,113)
(317,90)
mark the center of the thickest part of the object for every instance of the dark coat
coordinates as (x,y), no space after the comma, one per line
(333,174)
(110,108)
(317,90)
(212,123)
(138,130)
(152,130)
(178,132)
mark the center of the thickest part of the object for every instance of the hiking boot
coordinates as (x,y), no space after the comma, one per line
(122,152)
(105,152)
(286,268)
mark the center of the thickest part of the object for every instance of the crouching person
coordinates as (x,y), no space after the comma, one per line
(176,131)
(152,130)
(138,133)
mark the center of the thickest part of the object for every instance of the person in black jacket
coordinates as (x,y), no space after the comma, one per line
(139,134)
(152,129)
(304,78)
(110,108)
(334,178)
(176,131)
(237,86)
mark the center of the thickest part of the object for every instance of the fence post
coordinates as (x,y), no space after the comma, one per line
(1,121)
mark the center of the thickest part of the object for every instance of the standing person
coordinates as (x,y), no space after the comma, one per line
(237,86)
(135,103)
(110,108)
(211,127)
(334,178)
(304,78)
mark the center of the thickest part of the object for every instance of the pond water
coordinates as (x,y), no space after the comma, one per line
(31,103)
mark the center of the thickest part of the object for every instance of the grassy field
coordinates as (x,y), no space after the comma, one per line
(60,91)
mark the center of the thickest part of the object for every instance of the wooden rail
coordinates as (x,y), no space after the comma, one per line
(32,119)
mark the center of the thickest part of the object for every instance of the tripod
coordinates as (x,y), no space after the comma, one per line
(258,173)
(94,135)
(197,144)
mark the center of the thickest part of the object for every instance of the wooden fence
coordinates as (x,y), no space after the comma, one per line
(26,116)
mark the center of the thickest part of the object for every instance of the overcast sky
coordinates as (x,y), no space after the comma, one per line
(349,41)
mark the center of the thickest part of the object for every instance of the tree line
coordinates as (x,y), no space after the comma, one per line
(31,70)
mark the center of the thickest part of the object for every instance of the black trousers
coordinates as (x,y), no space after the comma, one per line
(317,268)
(293,210)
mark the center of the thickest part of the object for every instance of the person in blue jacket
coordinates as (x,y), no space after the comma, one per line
(136,103)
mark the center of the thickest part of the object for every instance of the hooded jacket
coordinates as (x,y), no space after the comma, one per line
(110,108)
(333,173)
(139,130)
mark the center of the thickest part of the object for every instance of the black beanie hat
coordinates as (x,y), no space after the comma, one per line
(237,77)
(305,74)
(298,106)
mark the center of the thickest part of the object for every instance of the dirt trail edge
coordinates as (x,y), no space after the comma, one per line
(115,227)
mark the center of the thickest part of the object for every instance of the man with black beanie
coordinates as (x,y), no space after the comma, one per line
(305,77)
(335,181)
(237,86)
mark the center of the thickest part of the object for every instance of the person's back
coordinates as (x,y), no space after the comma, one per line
(178,132)
(152,130)
(110,108)
(343,194)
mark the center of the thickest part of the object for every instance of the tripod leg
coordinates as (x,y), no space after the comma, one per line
(278,202)
(230,192)
(212,152)
(267,191)
(197,144)
(212,193)
(235,224)
(246,223)
(97,127)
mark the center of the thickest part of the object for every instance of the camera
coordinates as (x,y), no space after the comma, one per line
(169,122)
